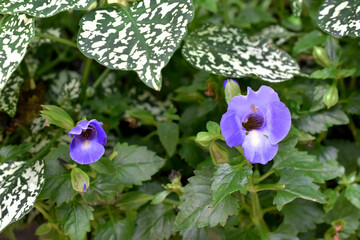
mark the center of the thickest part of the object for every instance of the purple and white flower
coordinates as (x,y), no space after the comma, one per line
(257,122)
(87,144)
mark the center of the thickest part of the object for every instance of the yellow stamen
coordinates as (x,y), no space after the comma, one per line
(254,108)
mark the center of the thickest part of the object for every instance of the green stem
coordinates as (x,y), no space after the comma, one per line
(56,39)
(101,77)
(150,135)
(85,79)
(45,149)
(267,174)
(265,187)
(354,131)
(43,212)
(171,202)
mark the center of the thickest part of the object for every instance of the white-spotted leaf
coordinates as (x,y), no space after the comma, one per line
(296,7)
(20,186)
(41,8)
(9,95)
(340,17)
(228,51)
(141,38)
(16,31)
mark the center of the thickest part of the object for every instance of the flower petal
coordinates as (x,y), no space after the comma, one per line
(82,125)
(239,104)
(86,152)
(278,122)
(101,135)
(262,97)
(257,148)
(232,129)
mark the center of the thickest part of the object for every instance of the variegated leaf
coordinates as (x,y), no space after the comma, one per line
(16,31)
(273,33)
(41,8)
(20,185)
(141,38)
(296,7)
(9,96)
(340,17)
(227,51)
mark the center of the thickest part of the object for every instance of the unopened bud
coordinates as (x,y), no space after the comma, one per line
(79,180)
(232,89)
(331,96)
(219,154)
(57,116)
(321,57)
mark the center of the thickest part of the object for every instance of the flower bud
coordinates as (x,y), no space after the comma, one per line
(79,180)
(57,116)
(218,153)
(321,57)
(231,88)
(331,96)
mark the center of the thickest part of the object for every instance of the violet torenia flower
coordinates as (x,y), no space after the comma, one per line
(257,122)
(87,145)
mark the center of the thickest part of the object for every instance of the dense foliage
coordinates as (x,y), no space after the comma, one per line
(150,74)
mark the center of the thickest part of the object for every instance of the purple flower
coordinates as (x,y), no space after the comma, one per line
(257,122)
(87,145)
(226,81)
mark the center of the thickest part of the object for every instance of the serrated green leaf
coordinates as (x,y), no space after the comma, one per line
(228,179)
(169,136)
(104,166)
(16,32)
(227,51)
(142,38)
(303,215)
(76,218)
(340,17)
(42,9)
(9,95)
(308,41)
(306,164)
(197,209)
(115,230)
(155,222)
(135,164)
(297,185)
(353,104)
(58,186)
(352,193)
(204,234)
(21,183)
(322,120)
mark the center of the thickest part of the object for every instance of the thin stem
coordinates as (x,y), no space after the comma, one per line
(270,209)
(85,79)
(354,131)
(171,202)
(150,135)
(43,212)
(101,77)
(263,177)
(56,39)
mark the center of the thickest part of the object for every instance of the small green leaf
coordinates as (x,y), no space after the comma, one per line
(115,230)
(297,186)
(169,136)
(210,5)
(135,164)
(155,222)
(339,18)
(228,51)
(228,179)
(352,193)
(9,95)
(21,183)
(16,32)
(42,9)
(131,200)
(141,38)
(308,41)
(159,197)
(75,218)
(197,208)
(43,229)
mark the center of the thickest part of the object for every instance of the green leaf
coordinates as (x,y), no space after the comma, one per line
(42,9)
(296,186)
(58,186)
(169,136)
(352,193)
(331,73)
(308,41)
(104,166)
(227,51)
(210,5)
(135,164)
(204,233)
(273,32)
(306,164)
(115,230)
(21,183)
(76,218)
(131,200)
(142,38)
(9,95)
(339,18)
(353,104)
(155,222)
(16,32)
(320,121)
(303,215)
(228,179)
(197,208)
(12,152)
